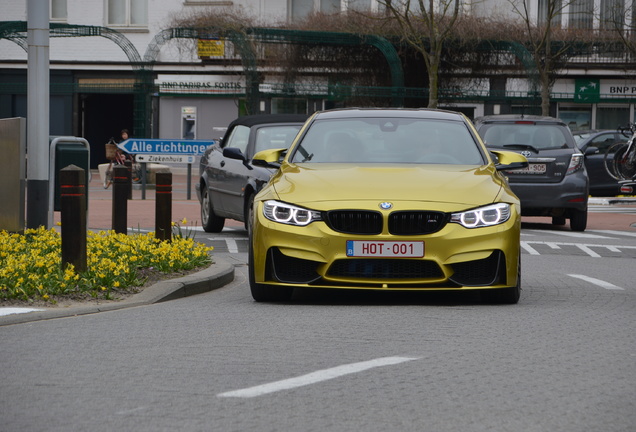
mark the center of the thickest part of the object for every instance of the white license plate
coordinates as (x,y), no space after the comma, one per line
(402,249)
(531,169)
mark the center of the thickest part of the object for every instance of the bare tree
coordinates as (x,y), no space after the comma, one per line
(541,33)
(425,25)
(612,18)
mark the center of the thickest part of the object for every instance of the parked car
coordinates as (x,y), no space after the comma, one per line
(594,144)
(228,180)
(387,199)
(555,183)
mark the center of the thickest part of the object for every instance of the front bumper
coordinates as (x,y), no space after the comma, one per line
(455,258)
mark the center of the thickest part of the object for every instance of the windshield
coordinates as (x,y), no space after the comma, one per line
(272,137)
(537,136)
(388,140)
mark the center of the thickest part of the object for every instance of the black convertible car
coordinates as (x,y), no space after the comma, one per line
(228,180)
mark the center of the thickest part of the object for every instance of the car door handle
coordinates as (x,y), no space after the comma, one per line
(222,163)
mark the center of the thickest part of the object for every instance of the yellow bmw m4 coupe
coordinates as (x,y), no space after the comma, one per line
(386,199)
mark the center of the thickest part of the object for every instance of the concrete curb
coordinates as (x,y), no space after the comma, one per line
(219,274)
(611,201)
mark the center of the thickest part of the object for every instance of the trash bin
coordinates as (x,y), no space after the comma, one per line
(69,151)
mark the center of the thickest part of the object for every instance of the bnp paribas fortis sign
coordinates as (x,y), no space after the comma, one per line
(210,47)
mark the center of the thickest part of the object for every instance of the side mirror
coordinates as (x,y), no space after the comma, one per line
(507,160)
(591,150)
(235,153)
(269,158)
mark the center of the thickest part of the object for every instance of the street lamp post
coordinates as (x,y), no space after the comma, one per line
(38,113)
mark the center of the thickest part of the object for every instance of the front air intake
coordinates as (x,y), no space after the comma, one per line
(355,221)
(416,222)
(385,269)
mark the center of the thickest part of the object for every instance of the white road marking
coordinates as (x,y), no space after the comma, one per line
(16,310)
(315,377)
(587,248)
(612,209)
(232,245)
(532,251)
(573,234)
(588,251)
(614,232)
(597,282)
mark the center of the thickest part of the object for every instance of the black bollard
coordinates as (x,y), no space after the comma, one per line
(120,199)
(163,206)
(73,217)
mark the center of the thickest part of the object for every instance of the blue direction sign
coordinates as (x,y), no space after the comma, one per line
(166,147)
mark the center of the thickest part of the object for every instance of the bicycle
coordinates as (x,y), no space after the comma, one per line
(117,157)
(620,158)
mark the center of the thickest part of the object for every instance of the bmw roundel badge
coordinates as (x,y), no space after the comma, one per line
(386,205)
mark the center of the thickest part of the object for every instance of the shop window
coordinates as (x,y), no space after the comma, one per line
(611,117)
(577,118)
(128,13)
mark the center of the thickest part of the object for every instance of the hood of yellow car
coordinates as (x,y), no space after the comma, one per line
(454,184)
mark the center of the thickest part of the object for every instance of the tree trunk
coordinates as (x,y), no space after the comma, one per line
(545,97)
(433,79)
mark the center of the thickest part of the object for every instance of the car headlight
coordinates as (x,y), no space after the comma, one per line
(490,215)
(289,214)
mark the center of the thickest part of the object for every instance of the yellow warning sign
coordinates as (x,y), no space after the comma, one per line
(211,47)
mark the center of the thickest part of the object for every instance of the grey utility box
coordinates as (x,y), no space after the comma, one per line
(12,174)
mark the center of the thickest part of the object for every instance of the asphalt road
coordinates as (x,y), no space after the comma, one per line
(560,360)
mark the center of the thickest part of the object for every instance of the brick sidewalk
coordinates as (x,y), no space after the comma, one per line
(141,212)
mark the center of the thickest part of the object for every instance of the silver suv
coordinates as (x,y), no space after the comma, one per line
(555,183)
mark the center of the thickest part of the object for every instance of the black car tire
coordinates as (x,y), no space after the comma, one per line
(509,295)
(249,210)
(209,220)
(578,220)
(265,293)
